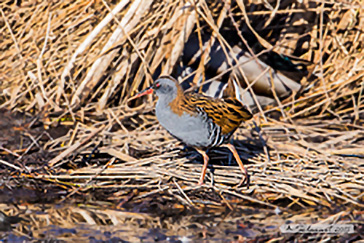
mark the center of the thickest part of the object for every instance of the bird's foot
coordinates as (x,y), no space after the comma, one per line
(245,181)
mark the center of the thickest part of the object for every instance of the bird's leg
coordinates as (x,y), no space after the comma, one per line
(204,168)
(230,158)
(240,163)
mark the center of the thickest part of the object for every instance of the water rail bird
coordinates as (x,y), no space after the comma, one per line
(199,121)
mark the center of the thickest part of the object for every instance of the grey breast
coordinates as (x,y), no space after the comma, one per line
(194,131)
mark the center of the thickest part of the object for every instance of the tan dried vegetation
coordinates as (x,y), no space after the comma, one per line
(76,63)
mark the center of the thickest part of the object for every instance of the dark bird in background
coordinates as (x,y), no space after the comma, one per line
(266,73)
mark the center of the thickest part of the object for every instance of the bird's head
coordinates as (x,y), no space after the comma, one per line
(165,87)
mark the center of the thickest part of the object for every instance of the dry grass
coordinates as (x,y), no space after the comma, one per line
(76,63)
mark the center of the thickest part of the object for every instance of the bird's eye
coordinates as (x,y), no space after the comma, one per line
(157,85)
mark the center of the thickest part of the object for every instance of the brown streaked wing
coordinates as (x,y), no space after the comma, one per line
(228,113)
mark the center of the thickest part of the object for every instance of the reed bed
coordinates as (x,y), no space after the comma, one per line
(75,64)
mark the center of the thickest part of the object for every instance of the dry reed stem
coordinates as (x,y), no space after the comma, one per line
(82,47)
(130,19)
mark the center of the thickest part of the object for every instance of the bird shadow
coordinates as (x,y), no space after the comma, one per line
(247,148)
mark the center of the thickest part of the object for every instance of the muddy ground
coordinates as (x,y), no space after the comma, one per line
(40,209)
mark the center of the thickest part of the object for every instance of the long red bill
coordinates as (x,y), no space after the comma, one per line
(142,93)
